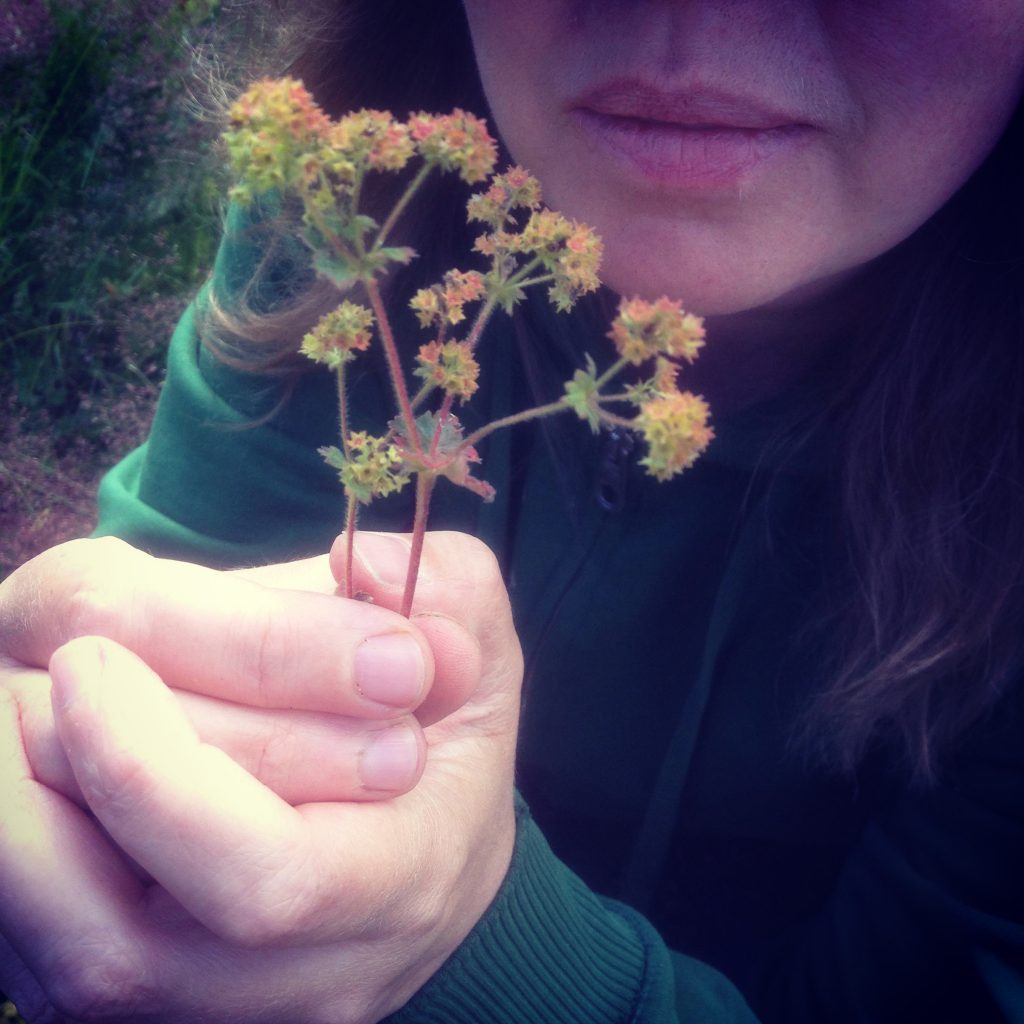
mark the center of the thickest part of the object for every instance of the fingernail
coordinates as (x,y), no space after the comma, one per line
(385,558)
(390,761)
(390,670)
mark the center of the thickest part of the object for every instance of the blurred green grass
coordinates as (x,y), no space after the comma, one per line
(111,191)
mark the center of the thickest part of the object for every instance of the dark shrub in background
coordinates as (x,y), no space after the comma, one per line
(110,205)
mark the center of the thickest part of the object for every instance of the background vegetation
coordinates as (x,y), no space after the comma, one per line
(110,201)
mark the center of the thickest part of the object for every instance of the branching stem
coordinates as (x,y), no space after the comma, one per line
(510,421)
(394,365)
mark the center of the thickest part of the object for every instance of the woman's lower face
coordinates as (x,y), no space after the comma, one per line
(739,153)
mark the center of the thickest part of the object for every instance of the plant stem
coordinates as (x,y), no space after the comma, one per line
(354,204)
(424,392)
(394,365)
(424,488)
(480,323)
(612,370)
(352,512)
(543,279)
(520,275)
(399,207)
(342,407)
(510,421)
(615,420)
(351,515)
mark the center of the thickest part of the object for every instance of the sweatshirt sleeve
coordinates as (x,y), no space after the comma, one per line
(550,951)
(213,483)
(230,474)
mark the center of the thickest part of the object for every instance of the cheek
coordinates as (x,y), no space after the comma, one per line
(936,81)
(510,41)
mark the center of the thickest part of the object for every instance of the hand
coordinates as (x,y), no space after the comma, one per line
(144,872)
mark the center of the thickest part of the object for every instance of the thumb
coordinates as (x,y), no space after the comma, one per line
(461,606)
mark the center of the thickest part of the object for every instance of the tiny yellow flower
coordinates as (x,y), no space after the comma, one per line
(458,141)
(339,335)
(513,190)
(675,427)
(444,303)
(371,468)
(451,366)
(642,330)
(370,139)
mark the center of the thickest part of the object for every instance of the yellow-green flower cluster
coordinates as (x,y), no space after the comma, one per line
(372,467)
(455,142)
(367,140)
(514,190)
(445,303)
(675,427)
(643,330)
(569,251)
(450,365)
(339,335)
(275,126)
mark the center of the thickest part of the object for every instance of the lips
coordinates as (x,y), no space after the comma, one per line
(696,138)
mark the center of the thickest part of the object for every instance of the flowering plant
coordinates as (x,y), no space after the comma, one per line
(280,140)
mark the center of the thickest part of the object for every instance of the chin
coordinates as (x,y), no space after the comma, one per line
(719,279)
(709,289)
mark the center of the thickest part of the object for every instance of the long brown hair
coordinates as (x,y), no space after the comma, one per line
(925,630)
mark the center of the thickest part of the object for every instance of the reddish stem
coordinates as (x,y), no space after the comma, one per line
(424,488)
(394,365)
(350,543)
(342,408)
(480,323)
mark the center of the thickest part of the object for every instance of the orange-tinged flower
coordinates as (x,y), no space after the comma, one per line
(339,335)
(445,302)
(276,130)
(675,427)
(451,365)
(458,141)
(280,103)
(371,139)
(513,190)
(665,376)
(643,329)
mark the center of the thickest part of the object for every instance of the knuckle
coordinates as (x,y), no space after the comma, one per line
(276,913)
(96,600)
(476,561)
(265,657)
(99,978)
(276,753)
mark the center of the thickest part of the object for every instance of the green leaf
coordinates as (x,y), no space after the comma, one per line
(341,272)
(397,254)
(581,395)
(357,227)
(334,457)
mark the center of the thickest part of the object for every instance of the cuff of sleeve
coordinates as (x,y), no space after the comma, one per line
(548,949)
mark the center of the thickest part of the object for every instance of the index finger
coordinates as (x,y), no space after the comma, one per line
(221,634)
